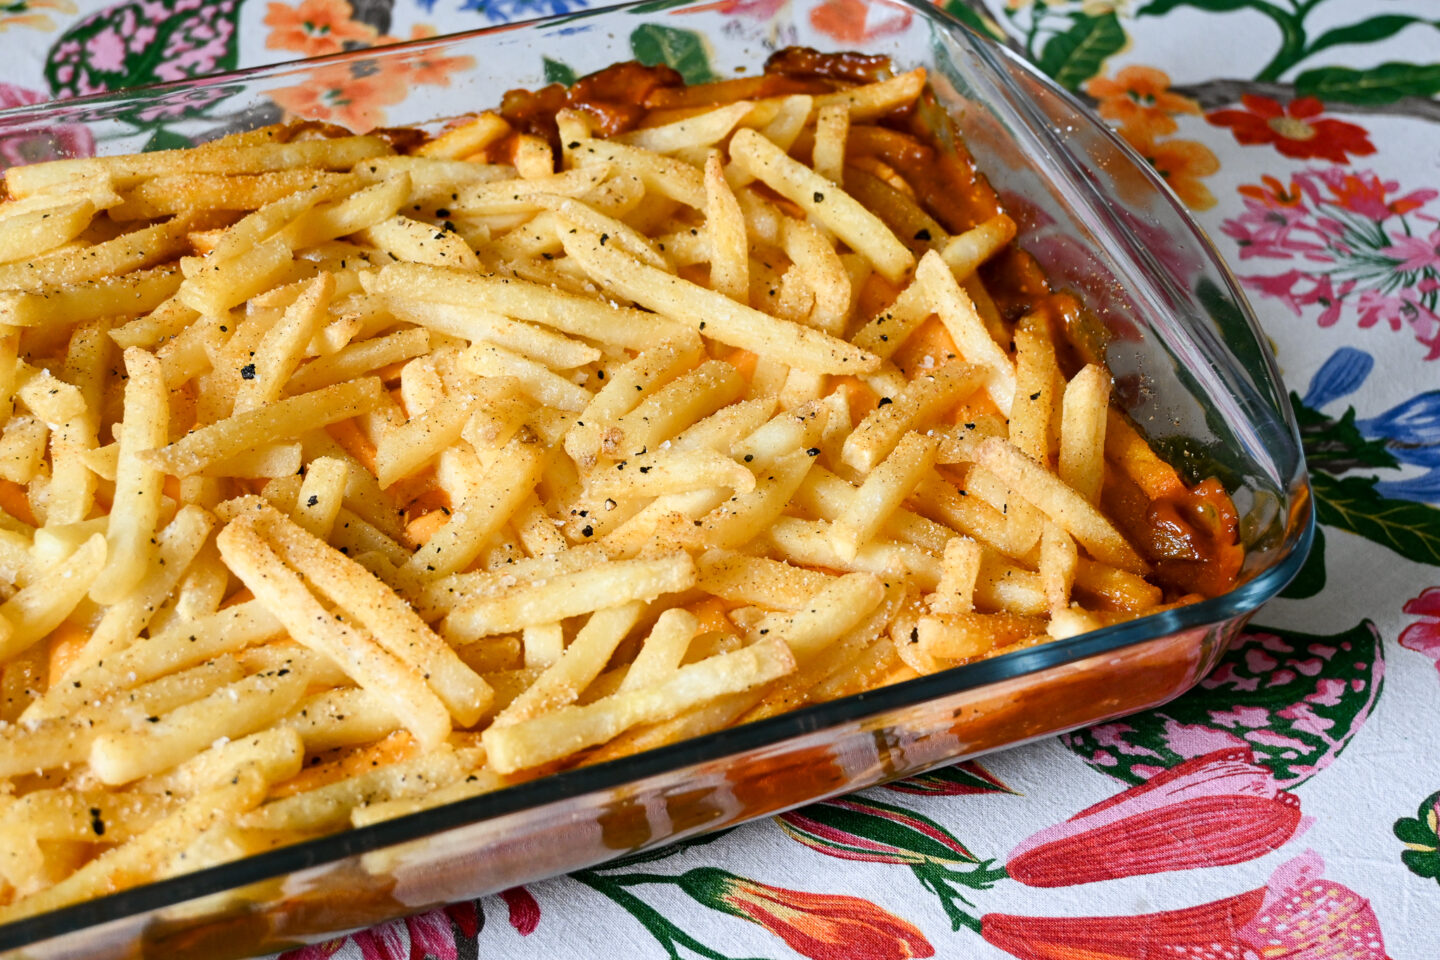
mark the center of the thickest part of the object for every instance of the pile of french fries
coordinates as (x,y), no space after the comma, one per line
(340,483)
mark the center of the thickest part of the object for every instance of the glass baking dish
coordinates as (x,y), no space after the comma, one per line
(1191,367)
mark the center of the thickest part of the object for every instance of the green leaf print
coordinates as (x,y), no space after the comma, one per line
(1072,57)
(1421,836)
(1375,85)
(138,43)
(1162,7)
(163,139)
(1311,578)
(682,49)
(1366,31)
(1410,529)
(1295,699)
(557,72)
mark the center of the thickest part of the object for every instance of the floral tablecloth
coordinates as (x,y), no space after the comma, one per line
(1287,809)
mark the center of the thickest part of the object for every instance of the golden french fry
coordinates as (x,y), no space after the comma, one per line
(725,320)
(823,200)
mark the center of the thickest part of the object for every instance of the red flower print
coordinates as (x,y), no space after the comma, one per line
(1221,808)
(425,936)
(1297,130)
(524,910)
(315,27)
(1206,932)
(845,20)
(817,925)
(1299,915)
(1424,637)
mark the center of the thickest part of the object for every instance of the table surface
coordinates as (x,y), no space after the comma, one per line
(1285,809)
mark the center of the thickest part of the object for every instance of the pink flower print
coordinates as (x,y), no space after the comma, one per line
(106,50)
(1241,717)
(1221,808)
(1324,293)
(1306,917)
(1424,636)
(1305,719)
(1416,253)
(1193,740)
(1327,692)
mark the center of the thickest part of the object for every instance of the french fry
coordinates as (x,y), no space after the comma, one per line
(136,512)
(1061,504)
(340,153)
(281,592)
(232,711)
(1082,432)
(881,494)
(562,732)
(388,618)
(569,595)
(519,300)
(728,247)
(577,666)
(726,321)
(957,312)
(281,420)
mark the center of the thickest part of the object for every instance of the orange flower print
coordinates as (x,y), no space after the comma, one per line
(426,66)
(25,13)
(1140,98)
(1272,193)
(339,94)
(315,28)
(1181,163)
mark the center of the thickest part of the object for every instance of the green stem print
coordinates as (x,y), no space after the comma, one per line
(1070,42)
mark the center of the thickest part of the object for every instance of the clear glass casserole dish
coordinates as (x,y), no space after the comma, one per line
(1191,368)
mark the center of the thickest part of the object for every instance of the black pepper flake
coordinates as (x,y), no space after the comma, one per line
(443,212)
(914,635)
(644,469)
(969,426)
(883,401)
(313,501)
(749,457)
(450,226)
(1035,395)
(819,197)
(922,235)
(248,371)
(573,145)
(96,823)
(702,324)
(604,237)
(599,375)
(152,719)
(587,531)
(813,451)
